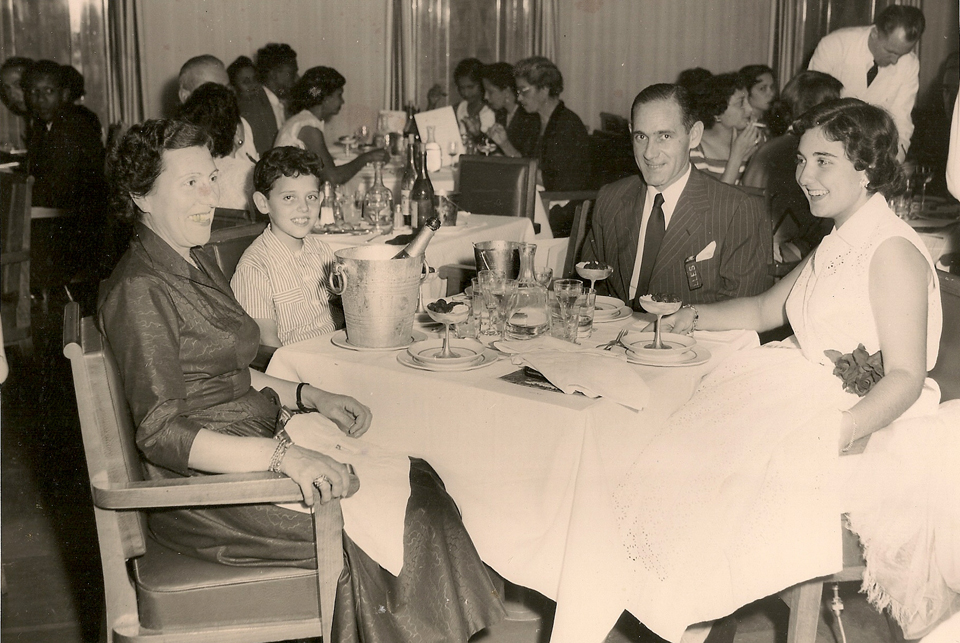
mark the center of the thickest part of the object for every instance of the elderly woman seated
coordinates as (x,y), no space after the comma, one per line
(214,108)
(317,97)
(183,347)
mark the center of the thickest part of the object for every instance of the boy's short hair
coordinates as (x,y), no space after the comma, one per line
(284,161)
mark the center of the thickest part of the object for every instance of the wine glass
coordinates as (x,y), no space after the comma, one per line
(543,276)
(658,308)
(924,174)
(506,295)
(456,315)
(452,149)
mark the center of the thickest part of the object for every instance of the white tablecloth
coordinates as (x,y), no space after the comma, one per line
(445,179)
(531,470)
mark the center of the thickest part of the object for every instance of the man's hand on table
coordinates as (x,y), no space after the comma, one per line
(351,416)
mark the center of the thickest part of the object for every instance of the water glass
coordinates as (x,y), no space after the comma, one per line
(565,308)
(488,281)
(588,305)
(543,276)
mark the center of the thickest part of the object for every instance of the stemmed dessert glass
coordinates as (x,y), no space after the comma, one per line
(456,315)
(658,308)
(452,151)
(594,271)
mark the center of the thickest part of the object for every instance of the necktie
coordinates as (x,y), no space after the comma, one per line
(651,245)
(872,73)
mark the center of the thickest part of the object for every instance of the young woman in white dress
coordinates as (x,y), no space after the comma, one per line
(736,498)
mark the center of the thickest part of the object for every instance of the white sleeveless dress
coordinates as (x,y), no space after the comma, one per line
(736,498)
(289,134)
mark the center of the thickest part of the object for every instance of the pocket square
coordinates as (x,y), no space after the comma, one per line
(707,253)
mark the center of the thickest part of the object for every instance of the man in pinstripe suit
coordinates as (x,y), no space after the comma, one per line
(708,241)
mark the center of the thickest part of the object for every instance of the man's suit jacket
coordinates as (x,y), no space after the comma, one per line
(258,112)
(707,211)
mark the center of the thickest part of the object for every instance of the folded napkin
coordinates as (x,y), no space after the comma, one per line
(594,375)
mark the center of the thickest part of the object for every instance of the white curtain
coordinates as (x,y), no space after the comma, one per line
(124,70)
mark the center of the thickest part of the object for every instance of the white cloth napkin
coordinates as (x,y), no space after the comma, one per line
(590,373)
(373,517)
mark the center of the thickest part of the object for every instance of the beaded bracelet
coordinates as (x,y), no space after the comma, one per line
(278,453)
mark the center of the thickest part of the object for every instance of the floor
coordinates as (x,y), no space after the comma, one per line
(50,562)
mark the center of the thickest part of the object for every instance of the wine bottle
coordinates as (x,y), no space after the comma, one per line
(421,195)
(434,154)
(418,245)
(409,178)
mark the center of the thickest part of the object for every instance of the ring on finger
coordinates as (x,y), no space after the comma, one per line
(320,479)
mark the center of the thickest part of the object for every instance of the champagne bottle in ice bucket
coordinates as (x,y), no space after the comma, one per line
(418,246)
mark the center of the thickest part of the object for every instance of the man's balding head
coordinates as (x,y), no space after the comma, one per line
(199,70)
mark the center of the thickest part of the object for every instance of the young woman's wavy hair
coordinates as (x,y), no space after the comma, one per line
(869,137)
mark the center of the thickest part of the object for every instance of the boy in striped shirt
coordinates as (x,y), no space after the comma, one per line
(281,279)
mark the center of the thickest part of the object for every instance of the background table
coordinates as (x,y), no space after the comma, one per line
(531,470)
(445,179)
(450,244)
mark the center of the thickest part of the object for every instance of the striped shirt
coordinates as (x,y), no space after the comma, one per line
(290,288)
(713,167)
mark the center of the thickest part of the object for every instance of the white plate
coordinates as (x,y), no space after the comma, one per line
(692,357)
(605,303)
(426,352)
(486,358)
(339,339)
(621,313)
(675,344)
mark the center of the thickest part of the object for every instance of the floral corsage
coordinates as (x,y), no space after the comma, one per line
(858,370)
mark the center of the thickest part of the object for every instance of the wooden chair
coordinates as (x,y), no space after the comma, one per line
(581,225)
(153,593)
(15,201)
(230,217)
(804,599)
(498,185)
(228,244)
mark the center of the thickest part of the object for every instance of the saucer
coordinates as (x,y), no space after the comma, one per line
(339,339)
(621,313)
(427,352)
(487,357)
(691,357)
(674,343)
(608,304)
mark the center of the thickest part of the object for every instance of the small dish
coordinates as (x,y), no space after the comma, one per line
(693,357)
(428,352)
(487,357)
(640,344)
(339,339)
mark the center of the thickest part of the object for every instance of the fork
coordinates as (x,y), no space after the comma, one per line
(609,345)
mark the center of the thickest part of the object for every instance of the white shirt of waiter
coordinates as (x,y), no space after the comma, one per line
(845,54)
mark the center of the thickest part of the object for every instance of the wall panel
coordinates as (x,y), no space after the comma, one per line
(349,36)
(611,49)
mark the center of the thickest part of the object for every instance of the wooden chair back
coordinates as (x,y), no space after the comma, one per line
(228,244)
(804,599)
(578,232)
(151,592)
(498,185)
(15,204)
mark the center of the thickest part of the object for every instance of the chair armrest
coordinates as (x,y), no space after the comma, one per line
(456,275)
(572,195)
(219,489)
(264,355)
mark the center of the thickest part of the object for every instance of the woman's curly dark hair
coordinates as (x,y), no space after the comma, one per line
(137,160)
(284,161)
(313,88)
(713,96)
(214,108)
(869,138)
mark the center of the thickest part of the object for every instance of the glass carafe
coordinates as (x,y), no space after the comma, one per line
(378,203)
(530,316)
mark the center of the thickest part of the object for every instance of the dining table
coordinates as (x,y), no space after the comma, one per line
(532,470)
(445,179)
(938,224)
